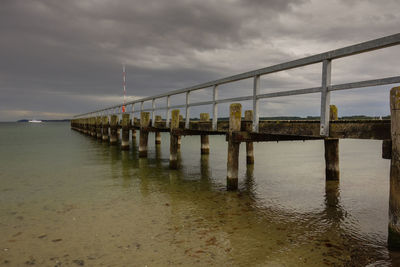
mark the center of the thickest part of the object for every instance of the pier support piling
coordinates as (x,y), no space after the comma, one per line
(157,135)
(134,122)
(104,127)
(394,197)
(144,133)
(113,130)
(248,116)
(332,171)
(93,131)
(235,116)
(125,131)
(98,127)
(173,146)
(204,139)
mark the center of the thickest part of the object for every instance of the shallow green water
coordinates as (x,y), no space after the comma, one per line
(68,199)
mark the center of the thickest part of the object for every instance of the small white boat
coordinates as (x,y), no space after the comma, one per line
(35,121)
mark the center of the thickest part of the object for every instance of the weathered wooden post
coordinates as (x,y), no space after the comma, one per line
(248,116)
(204,126)
(235,116)
(134,121)
(125,131)
(119,123)
(173,146)
(113,130)
(157,135)
(84,126)
(394,198)
(89,123)
(332,151)
(98,127)
(93,132)
(104,126)
(86,129)
(144,133)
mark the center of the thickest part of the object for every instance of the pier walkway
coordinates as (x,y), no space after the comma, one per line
(114,126)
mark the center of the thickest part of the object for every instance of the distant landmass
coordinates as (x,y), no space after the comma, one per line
(66,120)
(295,118)
(354,117)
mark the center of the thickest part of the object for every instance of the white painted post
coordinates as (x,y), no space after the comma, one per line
(167,116)
(153,113)
(132,111)
(256,91)
(325,97)
(187,110)
(215,108)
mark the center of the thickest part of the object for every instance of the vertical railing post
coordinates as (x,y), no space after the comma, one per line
(325,97)
(133,112)
(167,116)
(187,118)
(256,92)
(153,113)
(215,108)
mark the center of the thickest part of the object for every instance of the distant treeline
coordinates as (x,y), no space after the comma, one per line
(283,118)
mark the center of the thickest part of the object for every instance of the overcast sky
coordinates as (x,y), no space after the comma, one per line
(60,58)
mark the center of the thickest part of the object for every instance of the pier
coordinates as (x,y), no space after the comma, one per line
(246,126)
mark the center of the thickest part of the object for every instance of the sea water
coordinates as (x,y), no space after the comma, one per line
(67,199)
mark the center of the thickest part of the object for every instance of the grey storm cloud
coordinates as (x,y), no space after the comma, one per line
(59,58)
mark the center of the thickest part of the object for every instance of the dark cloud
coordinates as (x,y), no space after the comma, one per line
(54,51)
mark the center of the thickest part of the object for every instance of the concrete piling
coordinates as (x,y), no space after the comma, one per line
(394,197)
(144,133)
(235,116)
(113,130)
(332,151)
(248,116)
(104,126)
(157,135)
(203,125)
(173,147)
(125,131)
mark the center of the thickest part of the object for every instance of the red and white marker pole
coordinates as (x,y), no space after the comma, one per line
(124,86)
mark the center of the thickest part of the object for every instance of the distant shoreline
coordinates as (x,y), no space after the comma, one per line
(24,120)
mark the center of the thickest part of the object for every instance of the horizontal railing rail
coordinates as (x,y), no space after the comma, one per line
(325,88)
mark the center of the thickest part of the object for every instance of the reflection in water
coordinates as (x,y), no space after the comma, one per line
(249,181)
(333,208)
(204,167)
